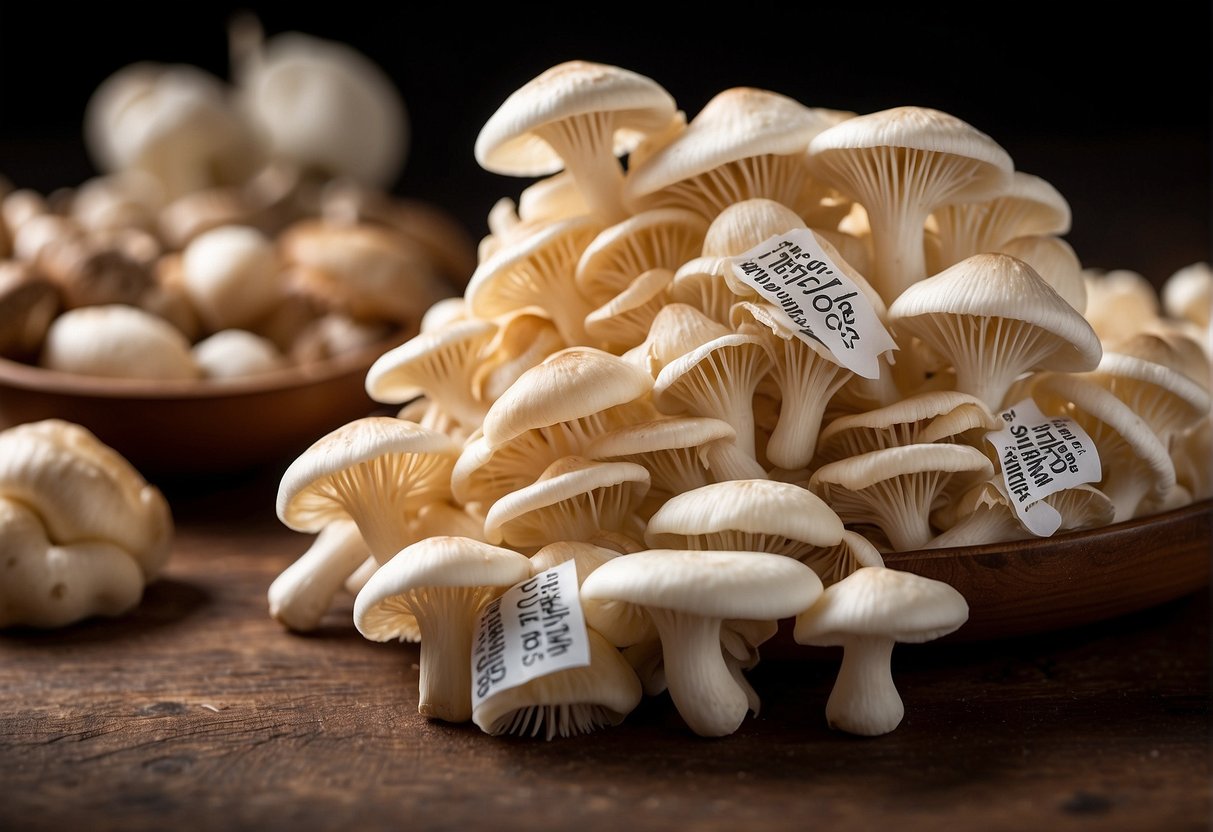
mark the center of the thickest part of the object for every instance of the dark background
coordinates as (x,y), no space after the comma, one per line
(1113,110)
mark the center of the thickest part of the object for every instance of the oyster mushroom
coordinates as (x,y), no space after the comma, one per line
(438,585)
(687,595)
(867,613)
(577,116)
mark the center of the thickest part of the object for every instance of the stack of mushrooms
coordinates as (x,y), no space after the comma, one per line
(611,392)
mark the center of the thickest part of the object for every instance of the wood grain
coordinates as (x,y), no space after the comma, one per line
(198,712)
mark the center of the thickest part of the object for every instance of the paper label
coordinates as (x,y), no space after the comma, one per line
(535,628)
(1041,455)
(816,299)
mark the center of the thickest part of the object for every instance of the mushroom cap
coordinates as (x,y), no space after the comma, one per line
(661,434)
(431,358)
(83,490)
(736,123)
(568,478)
(567,385)
(713,584)
(508,144)
(307,499)
(383,605)
(746,224)
(882,602)
(916,128)
(1055,260)
(996,285)
(756,506)
(865,470)
(237,353)
(117,341)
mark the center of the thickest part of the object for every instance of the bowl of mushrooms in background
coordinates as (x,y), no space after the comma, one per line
(213,297)
(633,381)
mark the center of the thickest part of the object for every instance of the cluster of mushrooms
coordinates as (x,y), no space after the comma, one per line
(235,228)
(608,391)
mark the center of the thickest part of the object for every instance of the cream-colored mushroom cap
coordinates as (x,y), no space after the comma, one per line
(573,499)
(536,271)
(231,274)
(1029,205)
(737,124)
(578,116)
(623,322)
(436,587)
(750,515)
(237,353)
(993,317)
(53,584)
(117,341)
(1055,260)
(440,364)
(896,488)
(398,587)
(662,238)
(376,469)
(713,584)
(901,164)
(85,491)
(1167,399)
(931,416)
(882,602)
(1187,294)
(568,385)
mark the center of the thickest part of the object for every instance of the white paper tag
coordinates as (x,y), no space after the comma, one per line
(816,299)
(535,628)
(1041,455)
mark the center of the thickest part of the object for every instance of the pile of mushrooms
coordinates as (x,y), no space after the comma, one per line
(608,391)
(235,227)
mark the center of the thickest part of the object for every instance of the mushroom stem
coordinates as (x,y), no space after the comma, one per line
(301,595)
(585,146)
(864,699)
(699,680)
(445,680)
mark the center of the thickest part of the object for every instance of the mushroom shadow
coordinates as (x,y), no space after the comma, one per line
(165,603)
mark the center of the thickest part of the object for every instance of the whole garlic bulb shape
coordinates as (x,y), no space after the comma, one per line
(321,105)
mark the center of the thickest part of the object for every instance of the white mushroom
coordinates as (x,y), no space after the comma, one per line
(117,341)
(440,583)
(577,116)
(85,526)
(866,613)
(688,595)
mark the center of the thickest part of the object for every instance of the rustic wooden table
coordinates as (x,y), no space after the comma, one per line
(198,712)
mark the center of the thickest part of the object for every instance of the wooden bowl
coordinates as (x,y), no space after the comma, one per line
(175,430)
(1034,586)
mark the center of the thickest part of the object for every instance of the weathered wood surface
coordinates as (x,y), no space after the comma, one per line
(198,712)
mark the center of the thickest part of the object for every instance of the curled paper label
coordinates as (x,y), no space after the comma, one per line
(1040,455)
(535,628)
(816,299)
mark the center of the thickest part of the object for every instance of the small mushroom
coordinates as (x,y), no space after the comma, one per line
(232,275)
(688,595)
(867,613)
(28,305)
(377,471)
(440,583)
(577,116)
(236,354)
(117,341)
